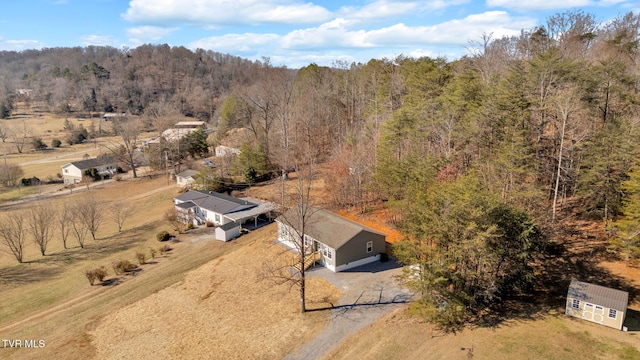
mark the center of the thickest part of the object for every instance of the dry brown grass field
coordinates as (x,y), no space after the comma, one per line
(204,300)
(46,164)
(548,336)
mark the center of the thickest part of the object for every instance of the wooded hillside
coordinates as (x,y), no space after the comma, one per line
(488,147)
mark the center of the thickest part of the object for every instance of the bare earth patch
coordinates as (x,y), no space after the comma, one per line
(220,311)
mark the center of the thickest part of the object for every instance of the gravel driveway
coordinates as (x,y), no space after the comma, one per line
(370,291)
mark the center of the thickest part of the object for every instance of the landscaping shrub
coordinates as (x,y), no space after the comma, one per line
(164,249)
(153,252)
(38,144)
(209,223)
(190,226)
(56,143)
(142,257)
(163,236)
(123,266)
(96,274)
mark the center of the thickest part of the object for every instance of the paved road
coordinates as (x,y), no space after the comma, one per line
(370,291)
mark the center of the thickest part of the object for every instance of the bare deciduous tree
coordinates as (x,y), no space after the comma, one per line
(79,229)
(40,220)
(64,218)
(296,221)
(13,233)
(119,213)
(11,174)
(19,135)
(128,130)
(3,134)
(89,213)
(176,223)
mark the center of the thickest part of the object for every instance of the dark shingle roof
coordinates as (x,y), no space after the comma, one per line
(325,226)
(186,205)
(599,295)
(216,202)
(91,163)
(229,226)
(188,173)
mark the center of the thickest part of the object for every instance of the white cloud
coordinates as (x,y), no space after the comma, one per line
(237,42)
(382,9)
(19,45)
(336,35)
(146,34)
(99,40)
(224,12)
(387,10)
(540,4)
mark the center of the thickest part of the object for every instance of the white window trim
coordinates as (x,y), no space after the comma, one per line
(369,246)
(575,304)
(615,313)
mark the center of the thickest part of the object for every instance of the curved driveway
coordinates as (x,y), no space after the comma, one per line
(369,292)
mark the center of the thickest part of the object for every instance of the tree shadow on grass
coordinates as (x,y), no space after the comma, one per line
(632,320)
(562,263)
(54,263)
(23,274)
(101,248)
(111,282)
(344,310)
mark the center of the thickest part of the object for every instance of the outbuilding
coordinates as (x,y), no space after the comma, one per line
(227,231)
(598,304)
(186,178)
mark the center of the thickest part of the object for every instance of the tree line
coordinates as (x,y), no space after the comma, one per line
(477,158)
(40,223)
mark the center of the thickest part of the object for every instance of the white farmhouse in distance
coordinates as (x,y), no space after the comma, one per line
(222,151)
(74,172)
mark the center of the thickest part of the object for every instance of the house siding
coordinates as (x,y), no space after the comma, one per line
(590,313)
(184,181)
(229,234)
(71,174)
(350,255)
(595,303)
(356,248)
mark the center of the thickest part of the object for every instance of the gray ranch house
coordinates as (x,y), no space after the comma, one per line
(598,304)
(225,212)
(338,243)
(74,172)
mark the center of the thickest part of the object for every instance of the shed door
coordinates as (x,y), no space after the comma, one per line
(593,313)
(587,312)
(598,314)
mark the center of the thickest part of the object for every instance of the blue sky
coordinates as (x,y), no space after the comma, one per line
(289,32)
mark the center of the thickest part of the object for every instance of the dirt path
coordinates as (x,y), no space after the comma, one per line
(369,293)
(64,306)
(59,157)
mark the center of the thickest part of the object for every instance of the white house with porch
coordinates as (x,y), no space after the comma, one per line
(225,212)
(74,172)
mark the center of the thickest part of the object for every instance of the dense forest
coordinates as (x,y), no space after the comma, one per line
(475,158)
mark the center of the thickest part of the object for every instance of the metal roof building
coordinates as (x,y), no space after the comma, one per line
(598,304)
